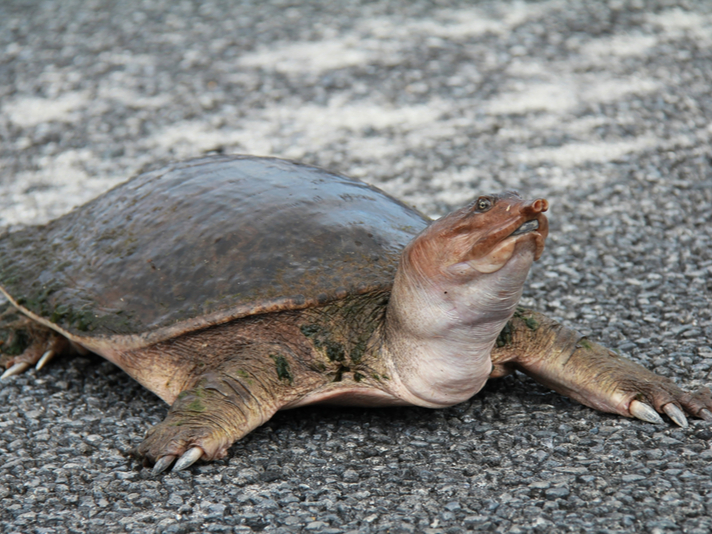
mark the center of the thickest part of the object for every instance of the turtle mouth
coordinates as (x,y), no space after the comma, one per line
(502,252)
(525,228)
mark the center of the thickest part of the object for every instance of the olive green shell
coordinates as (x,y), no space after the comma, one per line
(205,241)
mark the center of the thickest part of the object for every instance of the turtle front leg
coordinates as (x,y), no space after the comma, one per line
(226,403)
(570,364)
(205,421)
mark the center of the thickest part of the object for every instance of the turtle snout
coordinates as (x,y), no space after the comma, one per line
(535,207)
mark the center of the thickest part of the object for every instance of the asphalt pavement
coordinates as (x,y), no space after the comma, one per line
(603,108)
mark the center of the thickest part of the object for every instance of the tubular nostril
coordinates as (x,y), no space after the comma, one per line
(540,205)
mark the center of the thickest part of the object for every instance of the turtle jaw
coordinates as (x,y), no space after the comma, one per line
(513,238)
(525,228)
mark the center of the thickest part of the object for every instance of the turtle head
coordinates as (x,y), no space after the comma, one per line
(480,238)
(457,285)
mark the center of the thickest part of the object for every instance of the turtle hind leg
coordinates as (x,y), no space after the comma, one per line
(569,363)
(26,343)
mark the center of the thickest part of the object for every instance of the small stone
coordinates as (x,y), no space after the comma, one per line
(474,520)
(175,500)
(632,478)
(540,484)
(453,506)
(216,510)
(350,475)
(219,529)
(557,493)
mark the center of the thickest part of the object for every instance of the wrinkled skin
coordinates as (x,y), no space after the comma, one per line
(446,324)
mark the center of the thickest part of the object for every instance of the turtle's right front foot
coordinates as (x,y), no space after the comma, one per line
(28,343)
(197,426)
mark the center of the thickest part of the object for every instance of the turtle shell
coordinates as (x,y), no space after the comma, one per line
(205,241)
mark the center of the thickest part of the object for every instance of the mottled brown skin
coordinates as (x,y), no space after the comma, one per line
(583,370)
(221,389)
(532,343)
(230,379)
(305,304)
(571,364)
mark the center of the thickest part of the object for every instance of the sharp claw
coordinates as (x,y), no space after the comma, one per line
(645,412)
(47,356)
(676,414)
(163,463)
(189,458)
(16,369)
(705,414)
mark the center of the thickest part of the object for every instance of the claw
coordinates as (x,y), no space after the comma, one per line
(16,369)
(189,458)
(676,414)
(47,356)
(705,414)
(645,412)
(163,463)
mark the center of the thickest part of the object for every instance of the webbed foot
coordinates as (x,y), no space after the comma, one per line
(203,423)
(658,394)
(184,437)
(615,384)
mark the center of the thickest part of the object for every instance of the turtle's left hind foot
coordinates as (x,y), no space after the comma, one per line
(27,343)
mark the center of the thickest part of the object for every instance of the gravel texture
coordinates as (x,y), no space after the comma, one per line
(604,108)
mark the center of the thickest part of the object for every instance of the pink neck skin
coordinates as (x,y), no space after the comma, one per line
(445,314)
(458,284)
(440,334)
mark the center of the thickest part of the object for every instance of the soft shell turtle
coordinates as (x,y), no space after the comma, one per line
(233,287)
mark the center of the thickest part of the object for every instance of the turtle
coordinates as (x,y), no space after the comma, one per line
(236,286)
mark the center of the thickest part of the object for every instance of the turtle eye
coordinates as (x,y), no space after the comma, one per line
(483,204)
